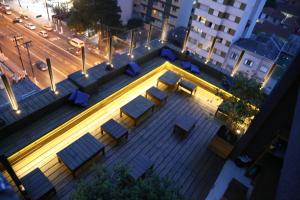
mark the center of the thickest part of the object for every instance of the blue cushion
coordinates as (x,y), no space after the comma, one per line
(195,69)
(168,54)
(134,67)
(185,64)
(73,95)
(129,72)
(82,99)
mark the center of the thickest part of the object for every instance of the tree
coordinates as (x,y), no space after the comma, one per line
(96,15)
(135,23)
(245,102)
(271,3)
(119,185)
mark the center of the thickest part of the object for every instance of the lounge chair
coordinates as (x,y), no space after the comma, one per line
(168,54)
(186,65)
(79,98)
(133,69)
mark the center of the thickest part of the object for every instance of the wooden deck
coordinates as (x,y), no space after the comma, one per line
(187,162)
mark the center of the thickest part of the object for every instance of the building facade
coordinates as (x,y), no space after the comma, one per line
(255,56)
(178,12)
(217,24)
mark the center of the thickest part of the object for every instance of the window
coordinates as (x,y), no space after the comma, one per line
(223,54)
(218,64)
(219,40)
(200,46)
(248,62)
(203,34)
(210,11)
(208,24)
(221,28)
(227,43)
(233,55)
(174,9)
(202,20)
(192,40)
(231,31)
(237,20)
(243,6)
(263,69)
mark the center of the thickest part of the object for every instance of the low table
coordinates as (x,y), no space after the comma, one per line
(188,85)
(169,78)
(184,124)
(38,185)
(157,94)
(80,152)
(137,108)
(114,129)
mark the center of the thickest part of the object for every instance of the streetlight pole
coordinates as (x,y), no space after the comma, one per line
(84,72)
(19,53)
(27,45)
(47,11)
(130,53)
(149,37)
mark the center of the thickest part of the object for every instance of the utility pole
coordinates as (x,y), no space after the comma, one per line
(47,11)
(27,45)
(19,52)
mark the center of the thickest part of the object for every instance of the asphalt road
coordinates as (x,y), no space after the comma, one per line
(54,47)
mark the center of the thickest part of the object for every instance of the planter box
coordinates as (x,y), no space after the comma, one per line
(223,142)
(220,147)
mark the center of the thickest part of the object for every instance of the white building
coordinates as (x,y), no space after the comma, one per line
(178,12)
(127,8)
(219,23)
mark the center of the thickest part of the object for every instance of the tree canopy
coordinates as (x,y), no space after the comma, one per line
(88,14)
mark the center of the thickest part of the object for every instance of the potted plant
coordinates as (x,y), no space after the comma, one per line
(236,112)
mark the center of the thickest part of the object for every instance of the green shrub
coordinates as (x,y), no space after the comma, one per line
(117,185)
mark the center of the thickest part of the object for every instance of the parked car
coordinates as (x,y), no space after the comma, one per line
(75,42)
(75,51)
(44,34)
(30,26)
(47,27)
(8,12)
(17,20)
(41,65)
(24,17)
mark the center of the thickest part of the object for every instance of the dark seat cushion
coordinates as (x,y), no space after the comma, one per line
(195,69)
(168,54)
(134,67)
(185,65)
(79,98)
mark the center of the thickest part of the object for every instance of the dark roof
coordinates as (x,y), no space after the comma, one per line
(293,45)
(290,6)
(263,44)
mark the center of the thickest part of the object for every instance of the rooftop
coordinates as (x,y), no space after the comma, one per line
(263,44)
(55,123)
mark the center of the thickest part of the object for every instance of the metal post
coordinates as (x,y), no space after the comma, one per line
(50,70)
(6,164)
(19,53)
(84,72)
(211,50)
(27,45)
(109,64)
(10,94)
(186,39)
(237,64)
(164,30)
(149,36)
(131,43)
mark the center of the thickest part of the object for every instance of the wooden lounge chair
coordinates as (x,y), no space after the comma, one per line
(187,85)
(114,129)
(155,93)
(184,124)
(38,185)
(80,152)
(170,79)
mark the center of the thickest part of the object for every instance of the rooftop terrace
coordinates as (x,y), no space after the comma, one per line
(50,124)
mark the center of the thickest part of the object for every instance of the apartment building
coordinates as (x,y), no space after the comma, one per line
(178,12)
(217,24)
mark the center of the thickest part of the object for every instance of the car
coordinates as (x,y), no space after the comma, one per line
(74,51)
(41,65)
(30,26)
(47,27)
(44,34)
(24,17)
(8,12)
(17,20)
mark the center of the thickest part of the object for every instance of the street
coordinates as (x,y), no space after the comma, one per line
(54,47)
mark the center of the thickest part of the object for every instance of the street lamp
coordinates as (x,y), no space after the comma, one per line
(10,94)
(149,37)
(109,65)
(84,72)
(130,53)
(50,70)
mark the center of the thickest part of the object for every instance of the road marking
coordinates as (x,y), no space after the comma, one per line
(54,39)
